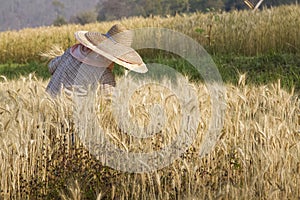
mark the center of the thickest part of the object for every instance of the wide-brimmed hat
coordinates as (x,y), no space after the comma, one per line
(115,46)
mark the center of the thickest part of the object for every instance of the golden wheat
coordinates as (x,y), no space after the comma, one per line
(241,32)
(257,155)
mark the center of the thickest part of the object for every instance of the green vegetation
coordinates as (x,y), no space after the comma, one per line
(115,9)
(262,70)
(259,70)
(15,71)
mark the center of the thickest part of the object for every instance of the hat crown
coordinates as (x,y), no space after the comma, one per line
(115,29)
(117,33)
(94,37)
(120,34)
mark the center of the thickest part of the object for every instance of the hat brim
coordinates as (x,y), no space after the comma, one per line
(107,43)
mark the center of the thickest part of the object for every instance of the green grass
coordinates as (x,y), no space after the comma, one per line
(15,71)
(260,69)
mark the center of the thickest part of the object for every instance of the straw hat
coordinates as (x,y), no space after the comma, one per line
(115,46)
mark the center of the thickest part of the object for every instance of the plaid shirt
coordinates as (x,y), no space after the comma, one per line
(71,74)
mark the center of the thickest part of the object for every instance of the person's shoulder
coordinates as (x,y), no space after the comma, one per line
(67,53)
(68,50)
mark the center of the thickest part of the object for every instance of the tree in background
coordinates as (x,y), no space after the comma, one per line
(270,3)
(152,7)
(116,9)
(59,21)
(172,7)
(85,17)
(107,10)
(234,5)
(58,8)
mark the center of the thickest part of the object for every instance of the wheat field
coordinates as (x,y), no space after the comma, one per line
(256,157)
(239,32)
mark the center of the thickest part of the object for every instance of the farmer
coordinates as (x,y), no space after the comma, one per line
(89,64)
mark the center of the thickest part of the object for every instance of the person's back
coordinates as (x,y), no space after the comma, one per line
(70,74)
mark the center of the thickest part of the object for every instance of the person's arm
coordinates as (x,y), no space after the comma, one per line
(52,66)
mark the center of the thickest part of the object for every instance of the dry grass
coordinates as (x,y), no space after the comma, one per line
(244,32)
(257,156)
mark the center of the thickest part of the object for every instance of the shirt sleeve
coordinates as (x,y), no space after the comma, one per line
(52,66)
